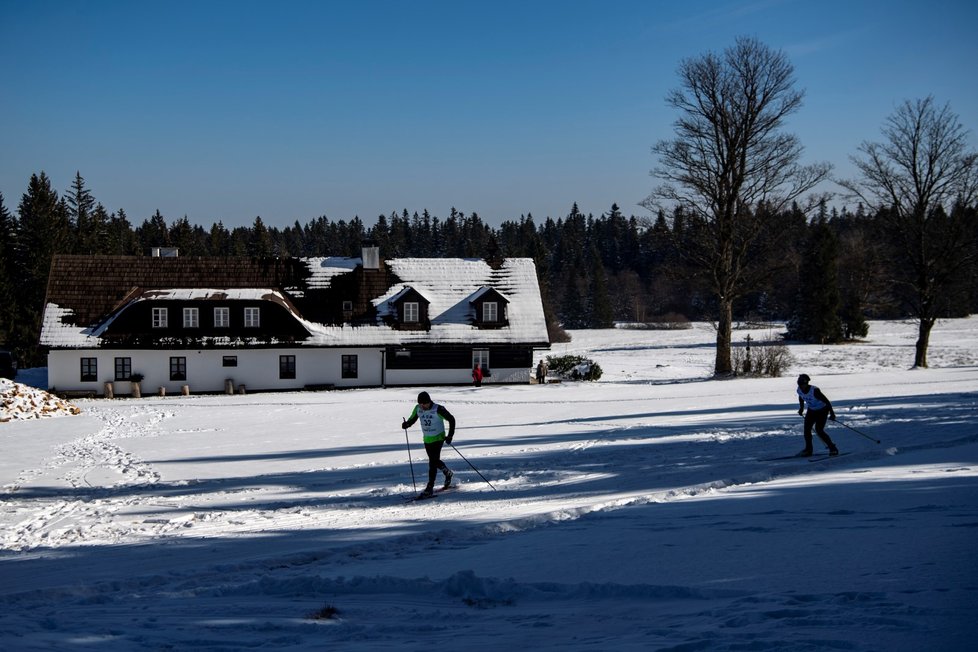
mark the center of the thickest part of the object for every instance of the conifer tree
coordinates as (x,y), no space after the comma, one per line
(601,314)
(8,301)
(81,204)
(41,231)
(261,242)
(816,318)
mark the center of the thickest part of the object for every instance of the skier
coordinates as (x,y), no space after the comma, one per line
(819,409)
(433,417)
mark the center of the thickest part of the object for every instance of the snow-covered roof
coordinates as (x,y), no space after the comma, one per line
(448,284)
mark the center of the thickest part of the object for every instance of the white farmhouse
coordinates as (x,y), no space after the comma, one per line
(205,324)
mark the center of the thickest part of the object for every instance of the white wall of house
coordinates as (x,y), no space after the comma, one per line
(257,369)
(454,376)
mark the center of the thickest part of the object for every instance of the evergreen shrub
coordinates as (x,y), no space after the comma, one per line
(574,367)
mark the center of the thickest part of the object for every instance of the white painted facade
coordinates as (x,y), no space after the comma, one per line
(256,370)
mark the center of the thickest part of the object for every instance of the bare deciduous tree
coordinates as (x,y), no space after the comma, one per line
(919,180)
(730,165)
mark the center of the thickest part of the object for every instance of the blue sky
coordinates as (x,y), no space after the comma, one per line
(291,110)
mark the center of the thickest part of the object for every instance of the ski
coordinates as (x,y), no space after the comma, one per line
(822,458)
(419,497)
(437,491)
(814,457)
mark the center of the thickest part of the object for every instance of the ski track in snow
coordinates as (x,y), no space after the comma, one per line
(97,491)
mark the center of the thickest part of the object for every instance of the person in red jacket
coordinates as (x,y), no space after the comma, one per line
(477,375)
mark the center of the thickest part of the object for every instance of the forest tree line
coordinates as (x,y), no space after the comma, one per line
(824,274)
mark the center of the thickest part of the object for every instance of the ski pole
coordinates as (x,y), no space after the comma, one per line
(473,468)
(857,431)
(410,461)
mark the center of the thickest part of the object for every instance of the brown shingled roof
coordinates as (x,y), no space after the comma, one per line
(92,286)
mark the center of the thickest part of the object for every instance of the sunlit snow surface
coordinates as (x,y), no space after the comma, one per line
(635,513)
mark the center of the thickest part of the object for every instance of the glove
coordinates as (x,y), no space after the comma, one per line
(448,440)
(832,416)
(405,425)
(801,412)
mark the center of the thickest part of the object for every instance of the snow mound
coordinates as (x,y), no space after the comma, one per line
(22,402)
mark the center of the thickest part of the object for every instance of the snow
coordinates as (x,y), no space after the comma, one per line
(633,513)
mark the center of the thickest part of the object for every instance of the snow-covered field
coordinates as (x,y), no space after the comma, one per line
(635,513)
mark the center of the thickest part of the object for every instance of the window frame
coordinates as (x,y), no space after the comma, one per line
(412,312)
(350,365)
(161,317)
(252,317)
(480,357)
(286,367)
(88,370)
(123,368)
(490,312)
(191,317)
(229,361)
(222,317)
(178,367)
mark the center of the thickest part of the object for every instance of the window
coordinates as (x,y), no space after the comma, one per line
(191,317)
(222,317)
(89,369)
(286,366)
(411,311)
(123,368)
(159,318)
(230,361)
(347,306)
(490,311)
(252,317)
(480,357)
(178,368)
(350,364)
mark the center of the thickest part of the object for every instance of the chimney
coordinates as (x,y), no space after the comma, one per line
(370,254)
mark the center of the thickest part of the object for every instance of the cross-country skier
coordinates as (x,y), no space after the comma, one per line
(433,418)
(819,410)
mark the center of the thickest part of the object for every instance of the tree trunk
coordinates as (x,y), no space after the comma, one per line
(923,341)
(723,366)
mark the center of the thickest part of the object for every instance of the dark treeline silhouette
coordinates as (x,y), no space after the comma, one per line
(823,274)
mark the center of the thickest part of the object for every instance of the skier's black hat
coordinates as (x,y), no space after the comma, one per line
(803,379)
(424,398)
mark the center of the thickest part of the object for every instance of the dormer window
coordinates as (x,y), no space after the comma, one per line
(489,308)
(409,310)
(252,317)
(490,311)
(159,318)
(412,312)
(222,317)
(191,317)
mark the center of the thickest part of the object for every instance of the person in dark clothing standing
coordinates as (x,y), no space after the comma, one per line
(819,410)
(433,418)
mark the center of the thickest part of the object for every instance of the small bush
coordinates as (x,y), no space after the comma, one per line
(574,367)
(328,612)
(764,360)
